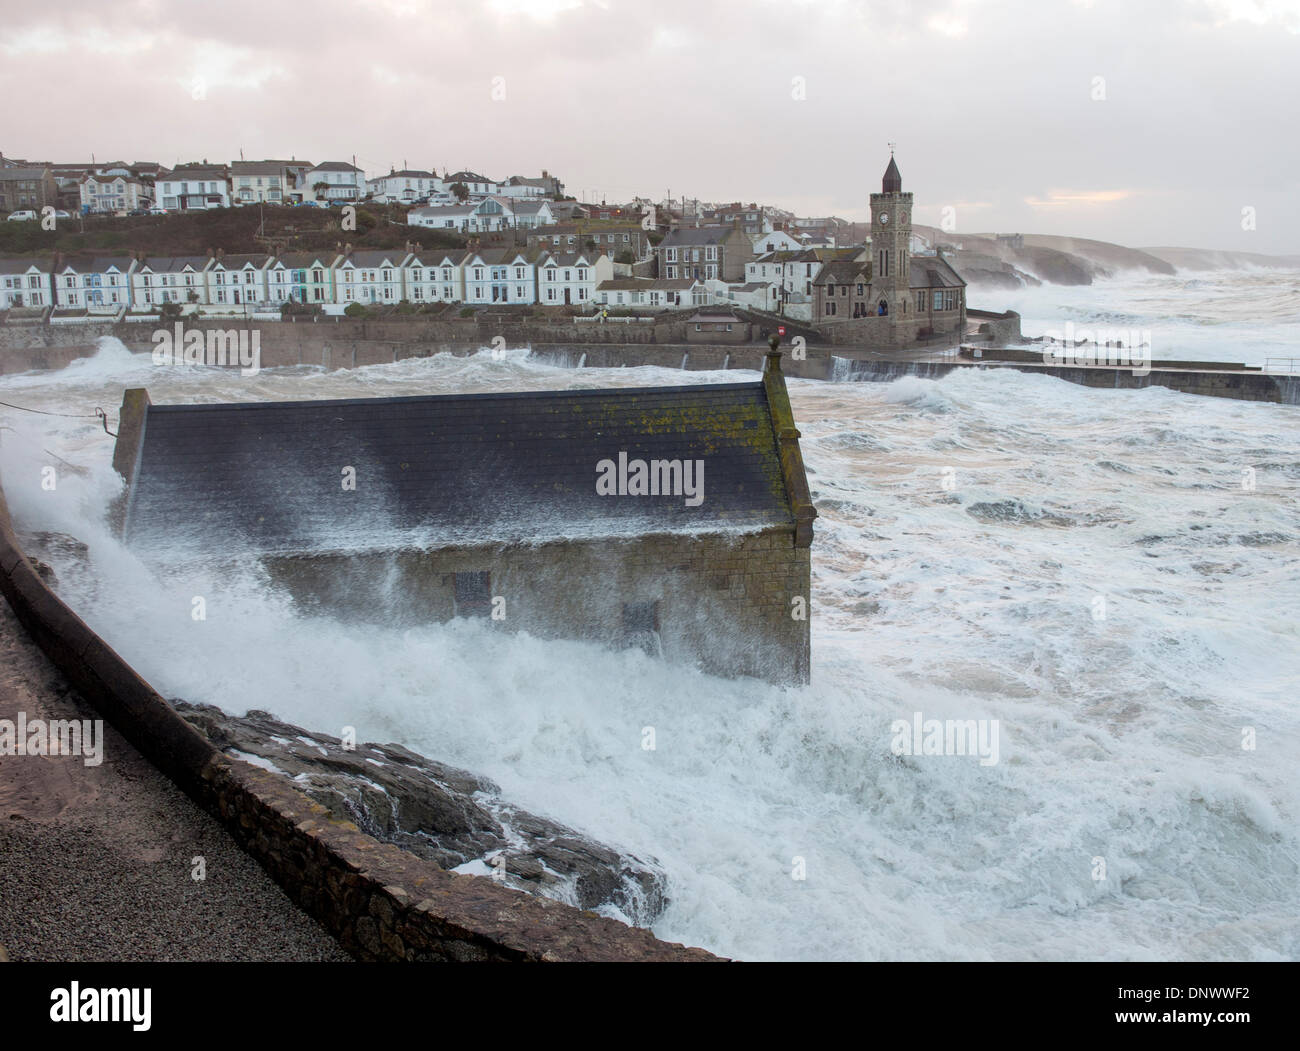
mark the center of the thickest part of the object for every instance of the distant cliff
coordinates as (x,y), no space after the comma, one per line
(1016,261)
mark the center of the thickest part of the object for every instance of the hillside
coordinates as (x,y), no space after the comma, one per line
(237,230)
(984,260)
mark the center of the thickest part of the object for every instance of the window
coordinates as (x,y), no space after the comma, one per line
(473,594)
(641,626)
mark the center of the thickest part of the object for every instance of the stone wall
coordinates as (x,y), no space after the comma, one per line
(347,343)
(894,333)
(998,329)
(379,901)
(1244,386)
(723,601)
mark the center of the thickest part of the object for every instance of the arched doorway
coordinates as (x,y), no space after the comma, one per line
(882,309)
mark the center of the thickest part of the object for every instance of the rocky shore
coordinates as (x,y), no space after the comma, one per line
(449,816)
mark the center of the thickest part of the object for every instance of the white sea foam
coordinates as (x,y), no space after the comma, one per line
(1121,738)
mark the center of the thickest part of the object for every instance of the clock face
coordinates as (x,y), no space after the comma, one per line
(884,217)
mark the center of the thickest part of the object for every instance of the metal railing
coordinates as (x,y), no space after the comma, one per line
(1282,364)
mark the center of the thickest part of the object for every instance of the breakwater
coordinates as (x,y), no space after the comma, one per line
(1187,377)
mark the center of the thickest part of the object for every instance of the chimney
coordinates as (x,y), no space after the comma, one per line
(211,251)
(347,248)
(221,253)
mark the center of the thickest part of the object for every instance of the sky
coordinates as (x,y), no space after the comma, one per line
(1159,122)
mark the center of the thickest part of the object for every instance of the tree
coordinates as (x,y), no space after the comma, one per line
(318,188)
(460,190)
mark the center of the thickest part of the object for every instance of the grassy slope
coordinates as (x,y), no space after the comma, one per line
(234,229)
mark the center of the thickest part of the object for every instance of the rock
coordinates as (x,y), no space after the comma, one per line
(441,813)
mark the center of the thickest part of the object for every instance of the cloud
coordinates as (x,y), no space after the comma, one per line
(1073,198)
(987,102)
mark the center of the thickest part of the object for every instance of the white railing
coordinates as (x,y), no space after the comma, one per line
(1282,364)
(613,320)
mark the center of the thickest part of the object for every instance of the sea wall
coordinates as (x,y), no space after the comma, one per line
(346,343)
(381,902)
(1245,386)
(999,329)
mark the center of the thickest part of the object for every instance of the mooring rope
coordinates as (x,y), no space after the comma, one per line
(98,414)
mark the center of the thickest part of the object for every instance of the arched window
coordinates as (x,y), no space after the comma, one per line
(882,309)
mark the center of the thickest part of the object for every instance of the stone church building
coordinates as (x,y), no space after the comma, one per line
(886,296)
(676,519)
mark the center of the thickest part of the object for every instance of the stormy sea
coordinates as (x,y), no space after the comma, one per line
(1113,576)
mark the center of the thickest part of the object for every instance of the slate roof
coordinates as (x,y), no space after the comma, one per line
(448,470)
(10,265)
(695,235)
(374,257)
(163,264)
(238,262)
(892,182)
(842,272)
(335,166)
(251,168)
(933,272)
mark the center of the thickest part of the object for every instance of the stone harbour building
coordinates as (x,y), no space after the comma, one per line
(677,519)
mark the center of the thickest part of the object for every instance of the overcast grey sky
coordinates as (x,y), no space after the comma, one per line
(993,105)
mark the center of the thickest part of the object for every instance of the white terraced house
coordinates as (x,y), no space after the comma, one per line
(370,277)
(775,241)
(101,286)
(237,280)
(307,277)
(406,186)
(193,189)
(434,276)
(170,279)
(499,275)
(106,194)
(334,181)
(652,294)
(571,277)
(529,215)
(24,283)
(477,185)
(258,182)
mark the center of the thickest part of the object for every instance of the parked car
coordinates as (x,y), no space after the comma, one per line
(137,211)
(21,216)
(339,204)
(61,214)
(157,210)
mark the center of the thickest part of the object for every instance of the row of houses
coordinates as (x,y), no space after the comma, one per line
(413,275)
(477,277)
(115,186)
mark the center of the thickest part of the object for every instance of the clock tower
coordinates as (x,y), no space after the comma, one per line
(891,238)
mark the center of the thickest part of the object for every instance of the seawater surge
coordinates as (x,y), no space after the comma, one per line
(968,527)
